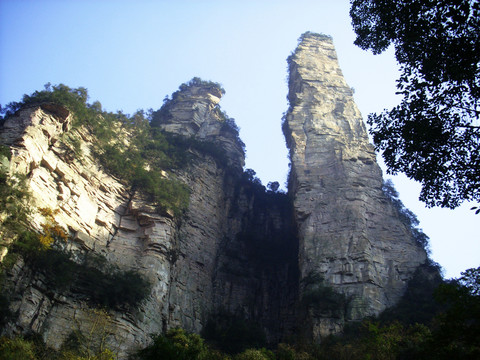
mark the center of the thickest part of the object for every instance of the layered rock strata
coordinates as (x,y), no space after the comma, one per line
(194,112)
(350,235)
(210,261)
(237,250)
(242,238)
(101,216)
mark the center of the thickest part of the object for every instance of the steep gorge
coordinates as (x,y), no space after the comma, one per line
(237,249)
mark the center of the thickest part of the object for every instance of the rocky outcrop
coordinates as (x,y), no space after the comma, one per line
(350,235)
(238,241)
(257,267)
(269,258)
(215,258)
(194,112)
(102,216)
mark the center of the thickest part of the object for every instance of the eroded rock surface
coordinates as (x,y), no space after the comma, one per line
(194,113)
(349,233)
(237,249)
(210,260)
(101,215)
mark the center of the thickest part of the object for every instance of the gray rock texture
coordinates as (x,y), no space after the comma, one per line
(349,233)
(238,249)
(210,261)
(101,217)
(238,241)
(194,112)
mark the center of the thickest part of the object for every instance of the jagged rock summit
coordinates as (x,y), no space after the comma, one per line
(194,111)
(350,234)
(331,251)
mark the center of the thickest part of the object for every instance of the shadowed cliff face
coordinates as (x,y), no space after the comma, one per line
(349,233)
(233,250)
(332,250)
(241,240)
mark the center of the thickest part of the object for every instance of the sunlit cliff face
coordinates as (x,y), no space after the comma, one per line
(349,234)
(261,255)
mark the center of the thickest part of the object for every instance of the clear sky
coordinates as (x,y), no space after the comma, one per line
(131,54)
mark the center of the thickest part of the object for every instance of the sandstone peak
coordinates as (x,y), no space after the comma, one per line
(198,89)
(194,112)
(350,235)
(238,251)
(314,64)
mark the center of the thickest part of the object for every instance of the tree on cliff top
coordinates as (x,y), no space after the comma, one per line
(433,135)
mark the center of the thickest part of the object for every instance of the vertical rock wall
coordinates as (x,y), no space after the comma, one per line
(237,244)
(349,233)
(257,272)
(233,250)
(102,217)
(237,249)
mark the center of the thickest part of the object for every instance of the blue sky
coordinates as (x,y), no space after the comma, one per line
(131,54)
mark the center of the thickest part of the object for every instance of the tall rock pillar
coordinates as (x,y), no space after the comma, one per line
(351,237)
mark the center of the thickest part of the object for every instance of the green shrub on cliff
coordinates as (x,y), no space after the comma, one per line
(139,160)
(32,347)
(88,275)
(176,344)
(16,349)
(74,100)
(196,81)
(5,152)
(105,286)
(13,225)
(13,205)
(323,298)
(407,216)
(255,354)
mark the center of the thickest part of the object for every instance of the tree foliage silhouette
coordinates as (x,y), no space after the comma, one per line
(433,135)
